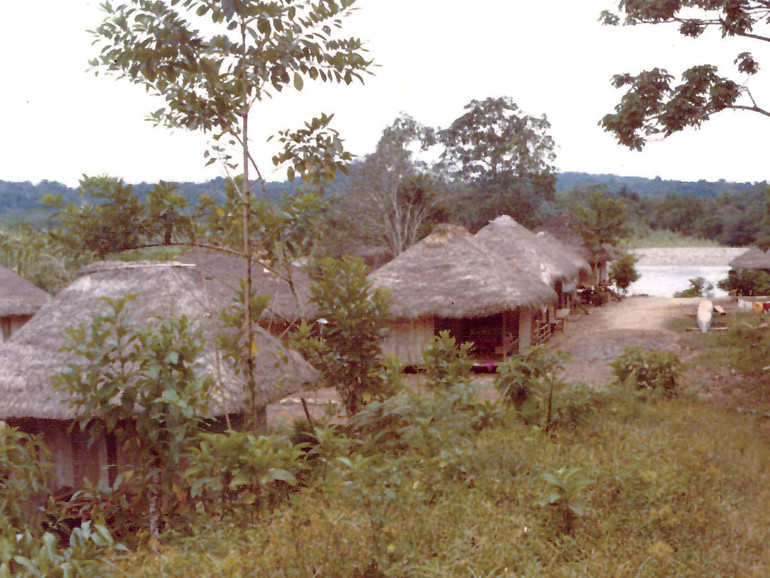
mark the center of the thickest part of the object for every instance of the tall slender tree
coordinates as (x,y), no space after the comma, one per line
(212,62)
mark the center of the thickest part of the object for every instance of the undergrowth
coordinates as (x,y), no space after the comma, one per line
(666,497)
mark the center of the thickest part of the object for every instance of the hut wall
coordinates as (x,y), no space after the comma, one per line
(72,458)
(406,339)
(525,328)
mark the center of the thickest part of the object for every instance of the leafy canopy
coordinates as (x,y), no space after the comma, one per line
(654,103)
(505,156)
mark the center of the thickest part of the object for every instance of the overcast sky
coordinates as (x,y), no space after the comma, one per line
(60,121)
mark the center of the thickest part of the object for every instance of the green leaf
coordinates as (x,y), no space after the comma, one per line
(298,82)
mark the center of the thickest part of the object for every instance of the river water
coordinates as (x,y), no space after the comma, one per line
(664,281)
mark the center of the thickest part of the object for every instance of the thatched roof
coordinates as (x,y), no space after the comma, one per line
(223,274)
(753,258)
(521,246)
(564,228)
(565,252)
(29,358)
(18,296)
(451,274)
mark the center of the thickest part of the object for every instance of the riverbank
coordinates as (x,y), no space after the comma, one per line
(687,256)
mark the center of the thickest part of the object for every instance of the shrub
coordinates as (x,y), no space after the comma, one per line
(529,382)
(22,477)
(698,288)
(240,467)
(651,370)
(746,282)
(446,364)
(344,344)
(623,271)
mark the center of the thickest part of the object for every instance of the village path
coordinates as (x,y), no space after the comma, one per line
(595,339)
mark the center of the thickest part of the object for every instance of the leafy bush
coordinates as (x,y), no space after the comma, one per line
(623,271)
(746,282)
(529,381)
(344,344)
(141,385)
(566,486)
(231,467)
(446,364)
(22,477)
(649,370)
(698,288)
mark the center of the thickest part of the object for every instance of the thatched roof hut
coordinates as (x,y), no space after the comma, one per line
(451,281)
(289,292)
(564,228)
(451,274)
(753,258)
(18,296)
(164,288)
(578,265)
(522,247)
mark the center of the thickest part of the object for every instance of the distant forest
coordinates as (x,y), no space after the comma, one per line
(734,214)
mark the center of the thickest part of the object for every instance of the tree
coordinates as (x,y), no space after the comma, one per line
(623,271)
(212,81)
(600,219)
(391,196)
(504,156)
(653,103)
(141,385)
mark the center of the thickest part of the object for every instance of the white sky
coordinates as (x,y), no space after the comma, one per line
(60,121)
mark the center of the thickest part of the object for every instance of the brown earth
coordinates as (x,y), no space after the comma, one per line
(598,337)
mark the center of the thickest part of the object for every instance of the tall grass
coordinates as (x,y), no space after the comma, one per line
(669,497)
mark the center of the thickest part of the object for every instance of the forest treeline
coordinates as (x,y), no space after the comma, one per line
(725,212)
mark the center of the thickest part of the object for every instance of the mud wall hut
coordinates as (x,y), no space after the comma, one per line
(29,400)
(451,281)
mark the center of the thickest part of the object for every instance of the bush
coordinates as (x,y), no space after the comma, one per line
(623,271)
(698,288)
(746,282)
(529,381)
(651,370)
(239,467)
(446,364)
(344,344)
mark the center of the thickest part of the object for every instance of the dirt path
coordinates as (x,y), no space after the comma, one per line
(595,339)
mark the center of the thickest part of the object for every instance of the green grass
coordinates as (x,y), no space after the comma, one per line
(667,239)
(669,497)
(677,488)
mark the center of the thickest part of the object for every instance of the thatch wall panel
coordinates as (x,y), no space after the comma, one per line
(407,338)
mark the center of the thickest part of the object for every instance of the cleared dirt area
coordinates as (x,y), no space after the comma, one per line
(595,339)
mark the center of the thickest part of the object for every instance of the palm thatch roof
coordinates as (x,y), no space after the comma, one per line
(34,353)
(753,258)
(289,292)
(564,228)
(451,274)
(18,296)
(564,252)
(521,246)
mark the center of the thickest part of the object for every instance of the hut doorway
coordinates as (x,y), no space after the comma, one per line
(488,334)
